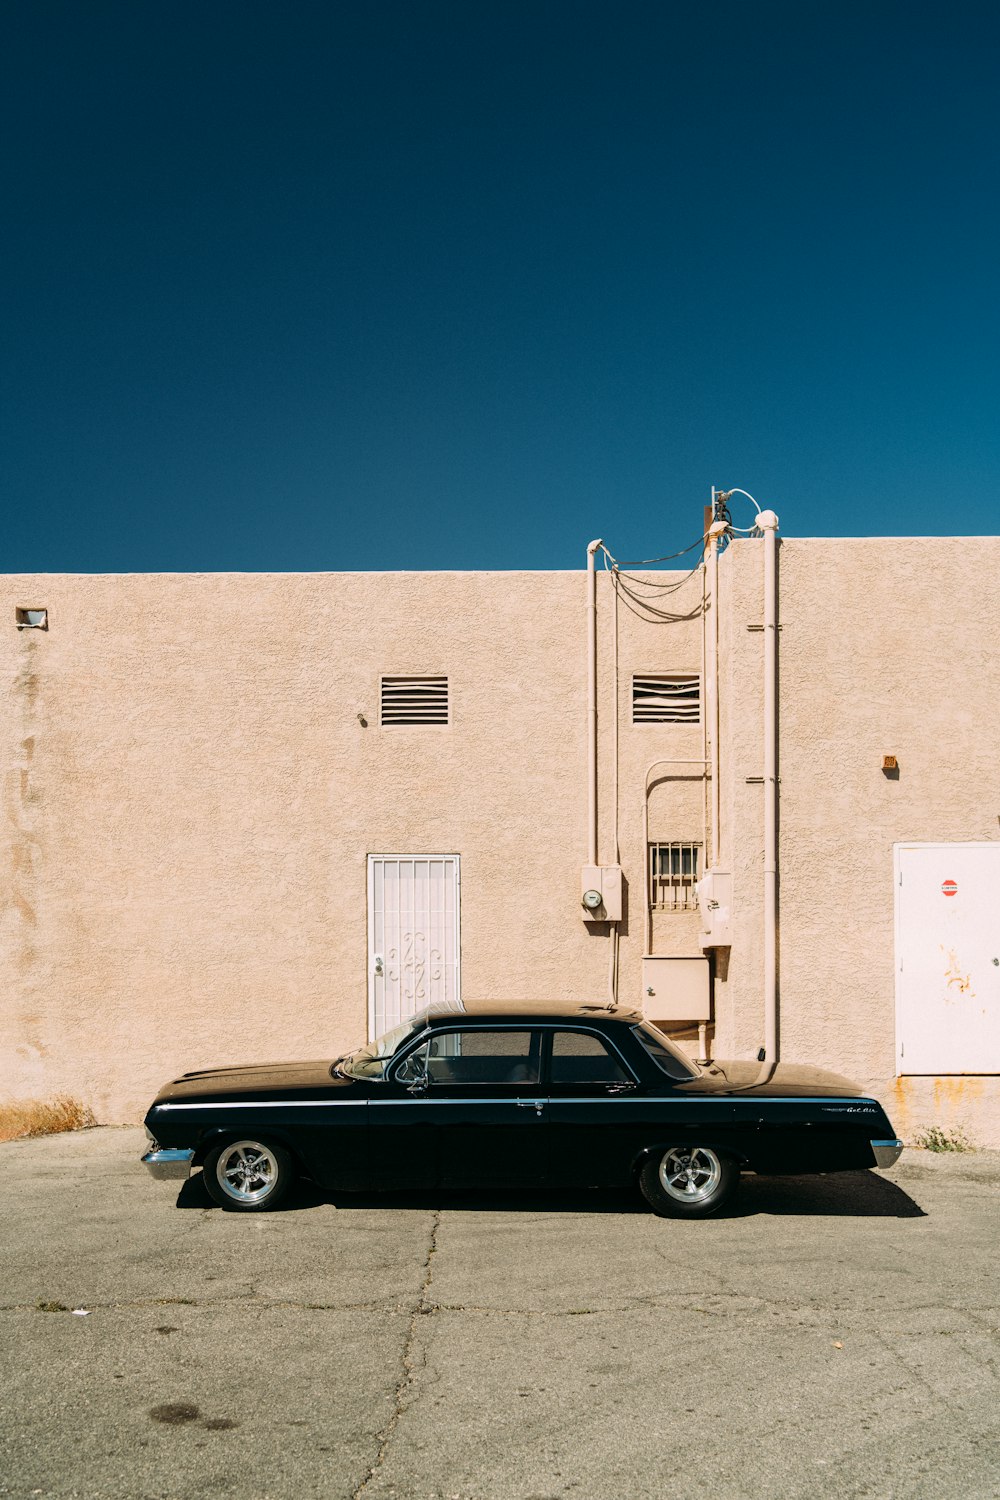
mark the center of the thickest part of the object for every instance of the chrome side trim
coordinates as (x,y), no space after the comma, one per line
(886,1153)
(267,1104)
(509,1099)
(168,1163)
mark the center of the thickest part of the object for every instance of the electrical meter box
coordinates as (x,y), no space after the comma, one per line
(676,989)
(604,881)
(715,903)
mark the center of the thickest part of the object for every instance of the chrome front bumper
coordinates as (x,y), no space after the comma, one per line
(887,1153)
(167,1163)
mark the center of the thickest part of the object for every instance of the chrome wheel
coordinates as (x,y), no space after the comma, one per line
(247,1172)
(690,1174)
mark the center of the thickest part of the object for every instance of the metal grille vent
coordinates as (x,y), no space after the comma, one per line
(666,700)
(414,700)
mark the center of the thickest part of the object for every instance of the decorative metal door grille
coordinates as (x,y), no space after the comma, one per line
(413,936)
(667,700)
(674,869)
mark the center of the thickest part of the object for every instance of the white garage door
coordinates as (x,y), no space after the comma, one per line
(413,936)
(948,958)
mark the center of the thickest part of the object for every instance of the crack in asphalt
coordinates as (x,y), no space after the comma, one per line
(714,1305)
(421,1307)
(262,1303)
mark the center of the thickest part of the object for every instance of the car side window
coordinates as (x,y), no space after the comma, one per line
(481,1056)
(578,1057)
(413,1067)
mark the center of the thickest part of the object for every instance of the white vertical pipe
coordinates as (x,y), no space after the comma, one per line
(768,523)
(592,702)
(712,686)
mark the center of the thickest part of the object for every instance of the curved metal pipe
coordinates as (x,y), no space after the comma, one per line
(669,761)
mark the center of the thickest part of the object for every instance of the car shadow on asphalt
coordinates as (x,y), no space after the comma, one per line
(840,1194)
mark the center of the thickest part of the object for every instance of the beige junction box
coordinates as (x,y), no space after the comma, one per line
(675,989)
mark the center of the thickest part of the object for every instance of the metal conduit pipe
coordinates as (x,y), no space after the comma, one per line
(768,523)
(645,834)
(592,702)
(715,531)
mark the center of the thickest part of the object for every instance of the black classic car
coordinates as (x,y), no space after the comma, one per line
(514,1095)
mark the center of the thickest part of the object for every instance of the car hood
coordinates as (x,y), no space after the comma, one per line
(725,1076)
(253,1080)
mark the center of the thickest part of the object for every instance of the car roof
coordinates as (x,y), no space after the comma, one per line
(542,1010)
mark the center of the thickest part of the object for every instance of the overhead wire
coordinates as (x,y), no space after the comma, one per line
(641,603)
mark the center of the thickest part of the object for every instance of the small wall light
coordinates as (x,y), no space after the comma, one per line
(32,619)
(890,766)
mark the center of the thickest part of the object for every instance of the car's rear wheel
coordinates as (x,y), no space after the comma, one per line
(249,1175)
(688,1182)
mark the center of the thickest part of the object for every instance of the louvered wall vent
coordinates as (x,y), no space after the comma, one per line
(666,700)
(414,700)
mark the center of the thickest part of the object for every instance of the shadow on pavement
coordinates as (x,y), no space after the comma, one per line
(841,1194)
(861,1195)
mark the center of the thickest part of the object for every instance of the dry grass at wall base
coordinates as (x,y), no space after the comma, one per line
(37,1117)
(936,1139)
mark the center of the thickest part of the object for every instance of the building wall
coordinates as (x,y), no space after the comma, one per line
(190,800)
(885,647)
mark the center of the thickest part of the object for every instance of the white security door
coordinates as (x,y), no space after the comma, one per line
(948,958)
(413,936)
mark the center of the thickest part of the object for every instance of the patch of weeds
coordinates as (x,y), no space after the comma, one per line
(51,1307)
(934,1138)
(29,1117)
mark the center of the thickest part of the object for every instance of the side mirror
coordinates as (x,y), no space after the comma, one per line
(419,1084)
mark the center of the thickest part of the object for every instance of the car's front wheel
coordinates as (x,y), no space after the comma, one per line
(248,1175)
(688,1182)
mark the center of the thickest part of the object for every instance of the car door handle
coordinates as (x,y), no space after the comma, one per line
(536,1104)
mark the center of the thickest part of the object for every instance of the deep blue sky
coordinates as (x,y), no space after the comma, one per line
(302,284)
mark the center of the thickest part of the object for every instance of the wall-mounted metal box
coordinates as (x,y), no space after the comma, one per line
(604,881)
(715,903)
(676,989)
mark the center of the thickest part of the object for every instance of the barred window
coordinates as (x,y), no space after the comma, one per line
(674,869)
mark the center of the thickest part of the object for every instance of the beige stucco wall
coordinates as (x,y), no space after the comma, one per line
(885,647)
(190,799)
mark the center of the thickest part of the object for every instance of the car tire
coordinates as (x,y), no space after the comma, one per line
(248,1176)
(687,1181)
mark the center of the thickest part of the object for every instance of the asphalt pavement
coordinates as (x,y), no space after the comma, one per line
(828,1337)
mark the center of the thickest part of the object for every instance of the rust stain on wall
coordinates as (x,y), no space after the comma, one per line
(954,977)
(956,1090)
(902,1106)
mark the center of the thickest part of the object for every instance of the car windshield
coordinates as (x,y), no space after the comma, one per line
(370,1061)
(668,1058)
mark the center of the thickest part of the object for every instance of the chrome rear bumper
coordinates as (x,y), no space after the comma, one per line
(886,1153)
(168,1163)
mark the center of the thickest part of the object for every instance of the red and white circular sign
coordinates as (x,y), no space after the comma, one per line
(949,887)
